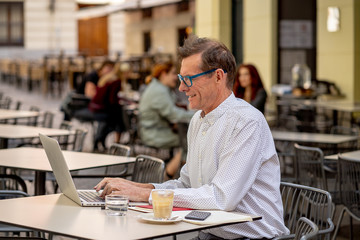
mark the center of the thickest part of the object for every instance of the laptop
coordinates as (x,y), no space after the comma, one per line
(85,198)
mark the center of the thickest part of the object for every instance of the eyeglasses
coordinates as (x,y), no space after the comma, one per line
(188,79)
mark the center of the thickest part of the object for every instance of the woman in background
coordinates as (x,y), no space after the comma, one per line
(248,86)
(158,113)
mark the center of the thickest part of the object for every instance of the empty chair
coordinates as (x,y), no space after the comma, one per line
(47,120)
(312,203)
(305,229)
(349,187)
(118,170)
(148,169)
(5,103)
(12,186)
(78,140)
(112,171)
(310,166)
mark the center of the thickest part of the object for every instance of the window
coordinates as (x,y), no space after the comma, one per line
(183,6)
(11,24)
(147,13)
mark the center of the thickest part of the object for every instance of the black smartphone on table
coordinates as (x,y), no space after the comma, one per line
(197,215)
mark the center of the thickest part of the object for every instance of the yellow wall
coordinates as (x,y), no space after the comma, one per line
(357,51)
(260,38)
(213,20)
(163,27)
(338,52)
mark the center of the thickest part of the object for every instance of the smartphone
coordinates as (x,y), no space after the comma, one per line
(197,215)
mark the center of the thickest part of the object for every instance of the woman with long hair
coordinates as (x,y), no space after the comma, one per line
(248,86)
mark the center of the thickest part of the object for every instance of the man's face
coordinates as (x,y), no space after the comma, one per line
(203,93)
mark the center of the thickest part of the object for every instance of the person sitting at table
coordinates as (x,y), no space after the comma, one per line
(248,86)
(87,89)
(158,114)
(232,163)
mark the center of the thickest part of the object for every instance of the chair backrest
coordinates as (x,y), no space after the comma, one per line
(32,121)
(119,170)
(79,138)
(305,229)
(119,150)
(47,120)
(310,166)
(312,203)
(349,181)
(148,169)
(63,140)
(5,103)
(12,182)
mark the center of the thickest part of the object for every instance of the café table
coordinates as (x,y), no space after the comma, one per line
(284,141)
(35,159)
(316,138)
(340,106)
(57,214)
(353,155)
(8,131)
(8,114)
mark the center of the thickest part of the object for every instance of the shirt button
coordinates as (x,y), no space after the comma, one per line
(203,133)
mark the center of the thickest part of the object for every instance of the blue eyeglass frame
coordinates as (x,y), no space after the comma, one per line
(181,78)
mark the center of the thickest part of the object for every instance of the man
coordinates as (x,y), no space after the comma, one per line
(231,162)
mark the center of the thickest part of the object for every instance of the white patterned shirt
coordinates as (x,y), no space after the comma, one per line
(232,165)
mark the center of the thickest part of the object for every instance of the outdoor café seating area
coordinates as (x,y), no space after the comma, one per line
(316,138)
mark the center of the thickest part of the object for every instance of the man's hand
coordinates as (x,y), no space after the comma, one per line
(135,191)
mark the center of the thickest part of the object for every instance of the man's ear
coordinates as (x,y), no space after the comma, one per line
(219,75)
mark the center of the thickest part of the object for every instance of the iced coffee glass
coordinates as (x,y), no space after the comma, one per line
(162,201)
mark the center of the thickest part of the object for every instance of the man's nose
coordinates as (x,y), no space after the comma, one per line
(182,87)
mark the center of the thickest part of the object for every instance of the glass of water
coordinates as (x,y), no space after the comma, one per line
(116,205)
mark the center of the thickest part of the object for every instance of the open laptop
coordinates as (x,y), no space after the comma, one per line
(85,198)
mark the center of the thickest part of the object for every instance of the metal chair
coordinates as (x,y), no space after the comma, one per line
(349,187)
(118,170)
(113,171)
(12,186)
(79,138)
(310,166)
(305,229)
(312,203)
(47,120)
(148,169)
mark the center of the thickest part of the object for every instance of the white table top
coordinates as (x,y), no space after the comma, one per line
(302,137)
(14,114)
(58,214)
(353,155)
(8,131)
(36,159)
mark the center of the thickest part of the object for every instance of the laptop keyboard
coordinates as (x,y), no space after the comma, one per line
(90,196)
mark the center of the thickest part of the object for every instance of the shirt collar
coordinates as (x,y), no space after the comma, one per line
(215,114)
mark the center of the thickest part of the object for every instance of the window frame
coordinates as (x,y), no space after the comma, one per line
(8,23)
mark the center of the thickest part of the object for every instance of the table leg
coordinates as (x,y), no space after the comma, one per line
(3,143)
(40,178)
(335,117)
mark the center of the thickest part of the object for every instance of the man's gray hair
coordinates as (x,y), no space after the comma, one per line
(214,54)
